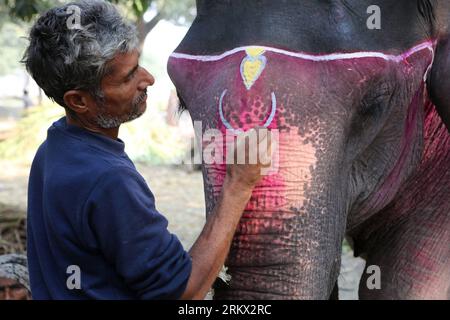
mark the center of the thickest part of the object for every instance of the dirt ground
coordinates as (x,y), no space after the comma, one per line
(179,196)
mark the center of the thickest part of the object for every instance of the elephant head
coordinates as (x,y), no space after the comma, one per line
(349,108)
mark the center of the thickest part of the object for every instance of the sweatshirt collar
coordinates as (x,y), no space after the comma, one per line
(94,139)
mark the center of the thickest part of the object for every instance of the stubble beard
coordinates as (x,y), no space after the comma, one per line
(106,121)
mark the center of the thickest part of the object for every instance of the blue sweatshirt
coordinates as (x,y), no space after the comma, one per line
(93,230)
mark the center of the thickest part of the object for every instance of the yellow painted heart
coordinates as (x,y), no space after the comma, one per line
(252,66)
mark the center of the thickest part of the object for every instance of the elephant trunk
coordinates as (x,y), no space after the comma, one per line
(288,242)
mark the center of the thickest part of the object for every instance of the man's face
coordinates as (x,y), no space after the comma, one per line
(12,290)
(125,91)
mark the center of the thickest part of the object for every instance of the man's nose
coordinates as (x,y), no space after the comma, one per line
(147,80)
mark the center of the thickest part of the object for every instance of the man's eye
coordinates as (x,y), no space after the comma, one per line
(130,77)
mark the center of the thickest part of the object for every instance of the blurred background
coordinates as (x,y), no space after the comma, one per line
(160,142)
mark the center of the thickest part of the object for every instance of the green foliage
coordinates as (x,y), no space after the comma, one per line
(27,9)
(346,247)
(29,133)
(12,46)
(177,11)
(138,7)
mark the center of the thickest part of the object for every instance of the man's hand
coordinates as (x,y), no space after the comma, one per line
(211,248)
(255,149)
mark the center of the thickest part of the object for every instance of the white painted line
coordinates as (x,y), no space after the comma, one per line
(327,57)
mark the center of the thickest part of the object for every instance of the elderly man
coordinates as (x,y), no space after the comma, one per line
(93,230)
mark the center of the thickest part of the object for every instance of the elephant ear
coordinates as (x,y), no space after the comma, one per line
(438,80)
(427,9)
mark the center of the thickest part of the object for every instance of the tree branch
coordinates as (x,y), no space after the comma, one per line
(144,28)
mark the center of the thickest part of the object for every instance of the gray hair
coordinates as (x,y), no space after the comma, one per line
(63,57)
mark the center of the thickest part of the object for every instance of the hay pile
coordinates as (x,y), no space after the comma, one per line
(12,230)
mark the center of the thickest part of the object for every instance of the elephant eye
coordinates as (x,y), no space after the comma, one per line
(374,102)
(372,107)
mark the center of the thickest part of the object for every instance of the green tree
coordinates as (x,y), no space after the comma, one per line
(12,46)
(176,11)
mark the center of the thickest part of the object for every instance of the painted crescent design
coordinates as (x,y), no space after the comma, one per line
(252,66)
(238,131)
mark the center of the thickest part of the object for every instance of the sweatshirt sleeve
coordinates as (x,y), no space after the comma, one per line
(132,235)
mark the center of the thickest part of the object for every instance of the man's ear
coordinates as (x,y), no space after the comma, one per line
(78,101)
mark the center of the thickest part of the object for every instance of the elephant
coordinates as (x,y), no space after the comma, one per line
(359,93)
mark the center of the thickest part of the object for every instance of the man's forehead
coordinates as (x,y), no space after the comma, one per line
(5,282)
(122,63)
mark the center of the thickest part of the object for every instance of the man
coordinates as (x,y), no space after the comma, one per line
(13,277)
(93,230)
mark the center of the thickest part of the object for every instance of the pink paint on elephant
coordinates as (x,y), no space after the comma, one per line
(213,85)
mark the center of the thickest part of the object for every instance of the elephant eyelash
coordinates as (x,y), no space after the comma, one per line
(372,108)
(181,105)
(426,9)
